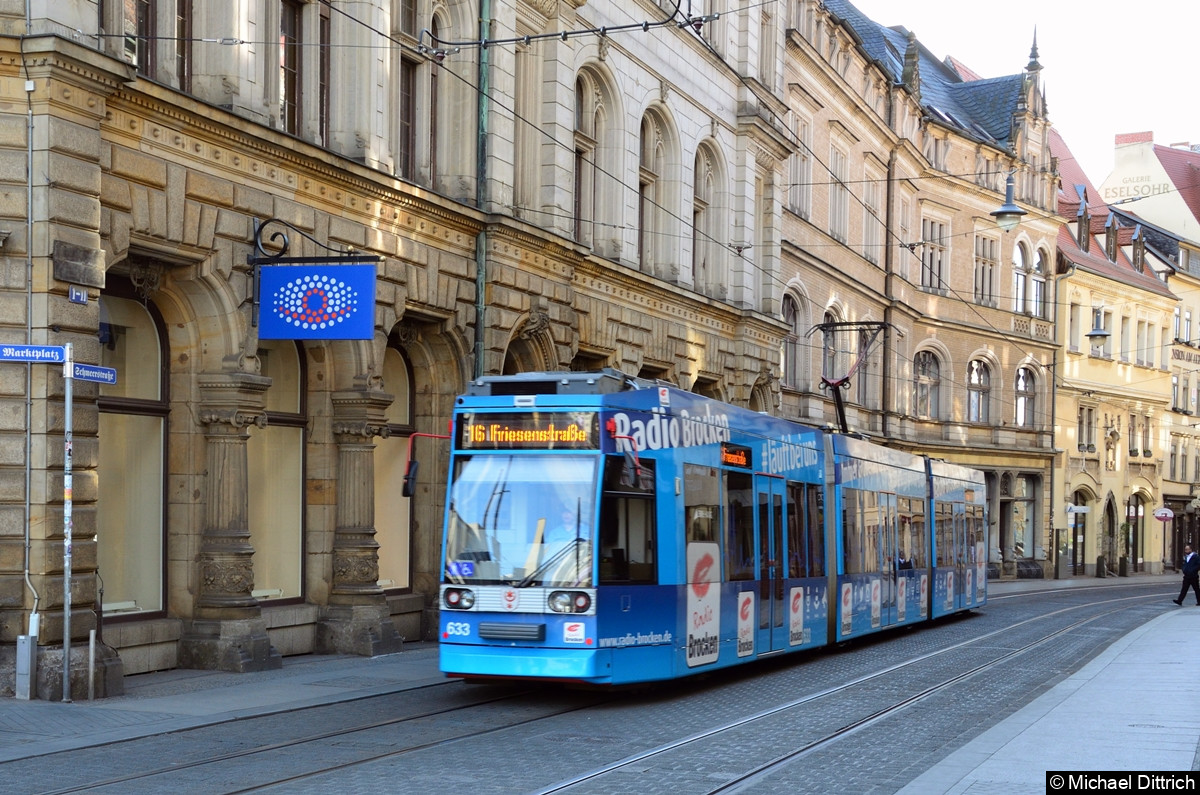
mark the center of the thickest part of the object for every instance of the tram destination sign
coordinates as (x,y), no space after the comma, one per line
(534,430)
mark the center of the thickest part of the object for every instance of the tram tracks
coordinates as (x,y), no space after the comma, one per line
(436,737)
(745,780)
(170,774)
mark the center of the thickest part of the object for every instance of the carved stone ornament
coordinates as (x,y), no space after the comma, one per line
(226,577)
(146,276)
(235,418)
(535,325)
(355,568)
(360,428)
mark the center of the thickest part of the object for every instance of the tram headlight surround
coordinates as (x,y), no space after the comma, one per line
(458,598)
(569,601)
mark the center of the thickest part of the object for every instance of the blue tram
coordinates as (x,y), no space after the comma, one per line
(608,530)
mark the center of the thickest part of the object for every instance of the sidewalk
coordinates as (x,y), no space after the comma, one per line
(1086,722)
(181,699)
(1132,708)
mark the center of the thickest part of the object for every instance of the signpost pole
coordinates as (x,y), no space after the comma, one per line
(68,378)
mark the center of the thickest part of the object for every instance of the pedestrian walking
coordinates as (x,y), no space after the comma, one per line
(1191,574)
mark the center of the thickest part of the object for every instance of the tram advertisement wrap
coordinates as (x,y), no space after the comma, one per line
(796,617)
(745,624)
(703,603)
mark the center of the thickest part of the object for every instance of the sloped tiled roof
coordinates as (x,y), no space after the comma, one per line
(1183,169)
(1093,259)
(981,109)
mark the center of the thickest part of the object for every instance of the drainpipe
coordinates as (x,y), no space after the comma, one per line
(481,155)
(33,617)
(889,270)
(1054,376)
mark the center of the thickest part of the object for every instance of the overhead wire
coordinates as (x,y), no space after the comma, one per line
(694,24)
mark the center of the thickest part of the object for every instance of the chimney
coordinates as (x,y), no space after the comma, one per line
(1124,139)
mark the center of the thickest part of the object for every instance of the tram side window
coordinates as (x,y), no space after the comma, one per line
(739,526)
(914,534)
(815,514)
(627,530)
(702,503)
(974,531)
(853,545)
(806,529)
(944,529)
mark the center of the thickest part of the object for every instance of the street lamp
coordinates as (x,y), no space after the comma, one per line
(1009,214)
(1099,333)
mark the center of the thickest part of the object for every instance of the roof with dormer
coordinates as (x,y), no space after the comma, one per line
(1076,190)
(950,93)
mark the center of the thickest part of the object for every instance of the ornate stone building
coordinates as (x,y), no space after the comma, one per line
(579,193)
(889,227)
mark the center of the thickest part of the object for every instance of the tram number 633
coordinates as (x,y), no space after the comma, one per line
(458,628)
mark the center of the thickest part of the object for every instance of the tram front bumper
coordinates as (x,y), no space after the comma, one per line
(584,665)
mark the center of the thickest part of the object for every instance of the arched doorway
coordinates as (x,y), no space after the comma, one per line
(1109,536)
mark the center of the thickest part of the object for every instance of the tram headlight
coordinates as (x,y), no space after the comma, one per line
(458,598)
(569,601)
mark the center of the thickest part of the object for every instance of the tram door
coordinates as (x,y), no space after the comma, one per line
(887,558)
(960,555)
(772,632)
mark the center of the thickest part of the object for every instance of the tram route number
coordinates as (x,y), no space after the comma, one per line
(458,628)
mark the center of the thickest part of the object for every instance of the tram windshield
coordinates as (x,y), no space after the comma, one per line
(521,520)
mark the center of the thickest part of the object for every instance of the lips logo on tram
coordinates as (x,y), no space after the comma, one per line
(700,575)
(744,611)
(797,602)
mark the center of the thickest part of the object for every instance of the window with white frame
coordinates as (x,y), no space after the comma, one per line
(985,269)
(800,187)
(839,195)
(979,391)
(1025,389)
(933,239)
(1037,286)
(872,215)
(927,383)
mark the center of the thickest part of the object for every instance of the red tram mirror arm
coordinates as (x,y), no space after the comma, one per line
(611,427)
(411,464)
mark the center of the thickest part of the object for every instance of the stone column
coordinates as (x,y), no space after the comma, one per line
(357,619)
(227,631)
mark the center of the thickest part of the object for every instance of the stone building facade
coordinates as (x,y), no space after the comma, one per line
(600,185)
(234,498)
(889,225)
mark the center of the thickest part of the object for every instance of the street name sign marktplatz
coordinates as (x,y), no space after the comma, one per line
(49,354)
(72,371)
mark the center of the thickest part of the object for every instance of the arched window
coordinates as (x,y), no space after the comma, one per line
(1020,278)
(979,391)
(1037,286)
(791,359)
(130,503)
(703,252)
(275,457)
(393,527)
(650,173)
(830,361)
(1026,391)
(585,160)
(927,383)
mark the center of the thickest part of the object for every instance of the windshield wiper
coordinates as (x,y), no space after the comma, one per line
(550,561)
